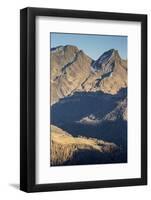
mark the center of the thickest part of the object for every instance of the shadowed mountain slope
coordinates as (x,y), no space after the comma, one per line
(91,114)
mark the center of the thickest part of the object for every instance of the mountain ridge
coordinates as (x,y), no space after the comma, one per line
(73,70)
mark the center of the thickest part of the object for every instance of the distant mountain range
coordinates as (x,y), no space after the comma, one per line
(88,100)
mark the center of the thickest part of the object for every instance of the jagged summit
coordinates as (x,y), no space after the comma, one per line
(105,62)
(104,57)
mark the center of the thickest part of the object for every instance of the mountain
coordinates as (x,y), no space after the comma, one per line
(70,67)
(72,70)
(88,107)
(67,150)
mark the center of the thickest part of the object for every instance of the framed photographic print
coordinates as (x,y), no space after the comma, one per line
(83,95)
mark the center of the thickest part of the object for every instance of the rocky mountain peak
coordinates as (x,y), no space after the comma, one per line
(105,62)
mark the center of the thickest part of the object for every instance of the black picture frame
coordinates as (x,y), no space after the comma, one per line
(28,98)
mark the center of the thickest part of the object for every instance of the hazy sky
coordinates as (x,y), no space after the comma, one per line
(92,45)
